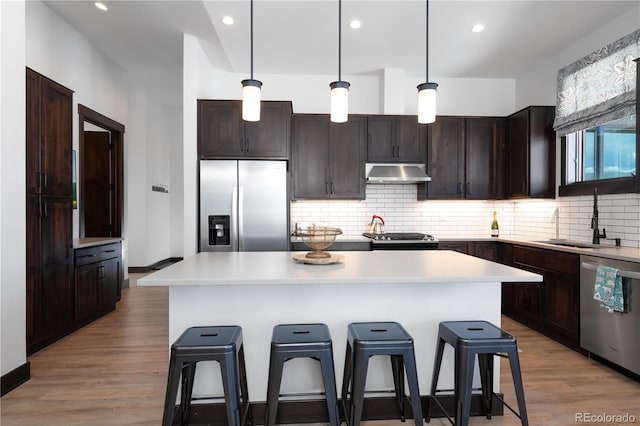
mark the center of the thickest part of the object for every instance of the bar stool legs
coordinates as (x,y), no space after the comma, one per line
(222,344)
(365,340)
(471,338)
(297,341)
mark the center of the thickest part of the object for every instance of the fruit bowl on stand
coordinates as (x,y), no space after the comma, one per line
(318,238)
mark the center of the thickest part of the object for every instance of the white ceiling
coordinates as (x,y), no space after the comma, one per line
(301,37)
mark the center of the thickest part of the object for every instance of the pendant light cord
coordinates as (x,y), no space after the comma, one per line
(427,43)
(339,40)
(251,39)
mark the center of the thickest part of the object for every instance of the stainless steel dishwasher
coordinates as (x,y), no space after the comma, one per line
(611,335)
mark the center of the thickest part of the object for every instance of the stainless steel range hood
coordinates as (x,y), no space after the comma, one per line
(391,173)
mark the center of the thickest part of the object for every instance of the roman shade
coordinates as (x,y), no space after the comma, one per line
(599,87)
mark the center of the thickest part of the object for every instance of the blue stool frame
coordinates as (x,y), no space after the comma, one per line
(471,338)
(366,339)
(222,344)
(301,341)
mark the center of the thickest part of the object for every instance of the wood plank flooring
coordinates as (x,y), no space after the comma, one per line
(113,372)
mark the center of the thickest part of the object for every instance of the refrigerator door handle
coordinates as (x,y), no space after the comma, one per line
(234,218)
(240,218)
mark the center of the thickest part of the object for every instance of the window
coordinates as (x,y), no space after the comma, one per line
(599,154)
(607,151)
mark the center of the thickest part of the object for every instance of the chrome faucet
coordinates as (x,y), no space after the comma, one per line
(594,220)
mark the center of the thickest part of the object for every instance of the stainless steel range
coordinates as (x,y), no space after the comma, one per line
(402,241)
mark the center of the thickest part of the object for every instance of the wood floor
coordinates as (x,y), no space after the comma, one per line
(113,372)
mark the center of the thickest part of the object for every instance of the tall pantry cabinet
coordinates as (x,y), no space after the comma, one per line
(49,230)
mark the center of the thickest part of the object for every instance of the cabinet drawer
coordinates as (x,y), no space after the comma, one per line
(551,260)
(86,256)
(109,251)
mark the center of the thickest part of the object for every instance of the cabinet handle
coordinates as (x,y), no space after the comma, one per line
(45,210)
(246,149)
(398,151)
(468,189)
(86,255)
(326,188)
(241,144)
(109,251)
(331,186)
(45,181)
(459,188)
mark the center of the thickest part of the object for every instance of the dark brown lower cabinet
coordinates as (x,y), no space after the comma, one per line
(49,287)
(551,307)
(97,281)
(487,250)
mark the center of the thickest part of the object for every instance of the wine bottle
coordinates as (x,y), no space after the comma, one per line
(495,229)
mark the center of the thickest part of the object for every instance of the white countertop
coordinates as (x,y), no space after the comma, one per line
(96,241)
(356,267)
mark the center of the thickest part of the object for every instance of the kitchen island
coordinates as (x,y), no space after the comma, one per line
(258,290)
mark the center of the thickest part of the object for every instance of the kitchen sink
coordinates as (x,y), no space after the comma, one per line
(569,243)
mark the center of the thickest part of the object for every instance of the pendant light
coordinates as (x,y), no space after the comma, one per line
(339,89)
(251,89)
(427,91)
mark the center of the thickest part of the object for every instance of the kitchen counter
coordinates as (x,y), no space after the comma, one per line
(91,242)
(608,251)
(258,290)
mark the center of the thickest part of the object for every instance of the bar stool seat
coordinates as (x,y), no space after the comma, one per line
(222,344)
(366,339)
(301,341)
(471,338)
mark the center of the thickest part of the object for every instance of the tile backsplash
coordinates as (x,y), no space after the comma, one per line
(619,214)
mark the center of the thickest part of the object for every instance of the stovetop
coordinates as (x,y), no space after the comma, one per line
(401,236)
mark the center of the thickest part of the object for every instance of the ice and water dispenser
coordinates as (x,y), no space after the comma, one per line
(219,231)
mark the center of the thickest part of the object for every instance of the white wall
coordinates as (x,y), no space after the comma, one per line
(12,184)
(59,52)
(538,85)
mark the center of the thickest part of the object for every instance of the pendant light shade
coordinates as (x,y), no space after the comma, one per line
(427,102)
(339,101)
(427,91)
(251,89)
(339,89)
(251,100)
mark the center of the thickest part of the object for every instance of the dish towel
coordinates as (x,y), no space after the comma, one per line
(608,289)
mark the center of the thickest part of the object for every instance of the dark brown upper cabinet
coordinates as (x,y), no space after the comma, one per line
(531,158)
(465,158)
(328,158)
(49,136)
(223,134)
(396,139)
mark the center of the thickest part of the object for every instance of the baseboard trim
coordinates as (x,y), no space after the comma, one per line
(315,411)
(154,267)
(15,378)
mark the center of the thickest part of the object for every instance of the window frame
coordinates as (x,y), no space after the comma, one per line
(625,185)
(622,185)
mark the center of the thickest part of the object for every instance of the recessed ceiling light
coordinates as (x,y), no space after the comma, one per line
(355,24)
(227,20)
(477,28)
(100,6)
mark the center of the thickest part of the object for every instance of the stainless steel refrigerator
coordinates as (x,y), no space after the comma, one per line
(243,205)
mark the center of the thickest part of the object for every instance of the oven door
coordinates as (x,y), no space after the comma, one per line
(404,245)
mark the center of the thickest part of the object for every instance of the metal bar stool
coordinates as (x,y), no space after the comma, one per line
(301,341)
(471,338)
(366,339)
(222,344)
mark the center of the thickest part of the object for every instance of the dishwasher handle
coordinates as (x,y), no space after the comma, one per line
(625,274)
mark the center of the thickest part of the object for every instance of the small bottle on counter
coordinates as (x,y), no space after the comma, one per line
(495,229)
